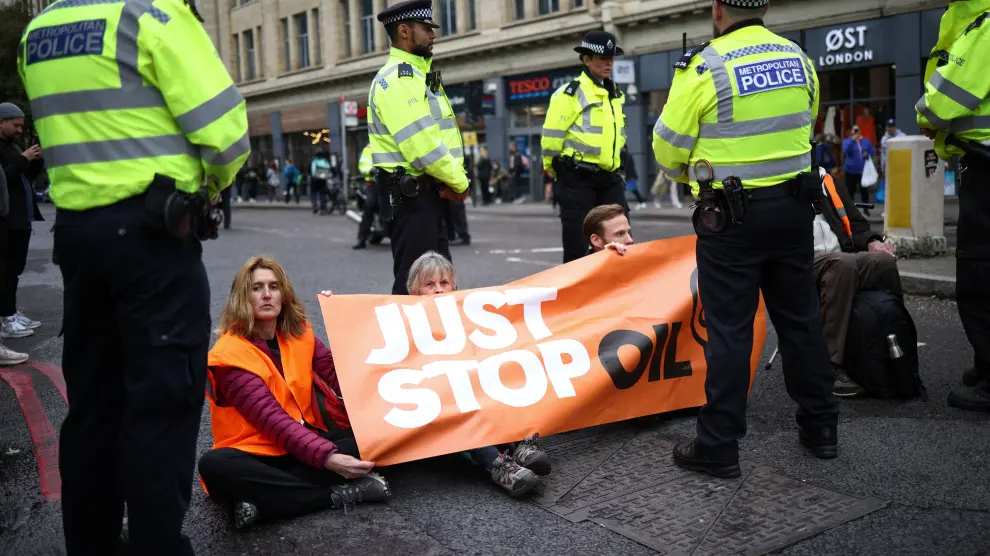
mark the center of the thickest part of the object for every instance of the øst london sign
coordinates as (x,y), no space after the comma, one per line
(846,46)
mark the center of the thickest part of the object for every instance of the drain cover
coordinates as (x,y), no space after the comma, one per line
(629,485)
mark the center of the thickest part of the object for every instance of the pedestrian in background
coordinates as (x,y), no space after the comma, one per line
(20,169)
(7,355)
(856,149)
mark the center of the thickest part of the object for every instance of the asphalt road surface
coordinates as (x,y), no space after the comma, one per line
(928,463)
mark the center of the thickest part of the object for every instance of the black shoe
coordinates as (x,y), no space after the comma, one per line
(245,515)
(360,245)
(970,378)
(689,456)
(844,387)
(369,488)
(823,442)
(971,398)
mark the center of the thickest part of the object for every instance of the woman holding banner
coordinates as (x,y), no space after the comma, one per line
(283,445)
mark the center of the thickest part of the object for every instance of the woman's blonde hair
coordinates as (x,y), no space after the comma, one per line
(426,265)
(238,314)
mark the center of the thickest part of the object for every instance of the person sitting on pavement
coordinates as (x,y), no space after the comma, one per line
(514,468)
(283,445)
(849,258)
(606,227)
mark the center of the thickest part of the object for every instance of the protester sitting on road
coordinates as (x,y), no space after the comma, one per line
(849,258)
(283,445)
(606,227)
(513,468)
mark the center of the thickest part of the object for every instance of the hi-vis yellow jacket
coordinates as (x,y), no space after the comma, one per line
(364,163)
(745,102)
(412,126)
(121,91)
(957,78)
(585,121)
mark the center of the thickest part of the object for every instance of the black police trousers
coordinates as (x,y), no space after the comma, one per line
(137,330)
(368,215)
(772,252)
(418,225)
(577,193)
(973,260)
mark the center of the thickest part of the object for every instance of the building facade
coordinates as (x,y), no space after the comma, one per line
(305,66)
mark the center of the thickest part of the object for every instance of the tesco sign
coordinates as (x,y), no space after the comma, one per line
(536,88)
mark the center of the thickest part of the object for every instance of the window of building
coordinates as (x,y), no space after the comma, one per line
(237,58)
(345,16)
(549,6)
(446,16)
(519,9)
(578,3)
(368,22)
(302,34)
(252,72)
(286,50)
(318,45)
(472,21)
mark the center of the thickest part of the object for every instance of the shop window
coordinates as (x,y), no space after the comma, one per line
(520,116)
(537,115)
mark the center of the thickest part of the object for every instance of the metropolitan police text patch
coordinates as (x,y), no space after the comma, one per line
(772,74)
(81,38)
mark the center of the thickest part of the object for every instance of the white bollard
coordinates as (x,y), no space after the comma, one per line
(914,202)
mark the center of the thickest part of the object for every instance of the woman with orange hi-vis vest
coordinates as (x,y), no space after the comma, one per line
(283,445)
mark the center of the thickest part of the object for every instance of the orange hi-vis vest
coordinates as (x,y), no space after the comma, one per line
(837,203)
(295,392)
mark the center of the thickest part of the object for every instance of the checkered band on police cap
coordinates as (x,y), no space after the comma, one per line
(596,48)
(417,13)
(745,3)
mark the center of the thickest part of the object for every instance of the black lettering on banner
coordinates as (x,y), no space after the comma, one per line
(608,354)
(661,331)
(672,368)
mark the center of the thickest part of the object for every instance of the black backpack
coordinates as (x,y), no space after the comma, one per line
(875,316)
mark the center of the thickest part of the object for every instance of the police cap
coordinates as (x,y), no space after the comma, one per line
(413,10)
(745,4)
(599,42)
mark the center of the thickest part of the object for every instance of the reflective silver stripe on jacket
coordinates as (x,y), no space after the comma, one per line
(970,123)
(761,170)
(723,85)
(752,128)
(112,150)
(672,137)
(961,96)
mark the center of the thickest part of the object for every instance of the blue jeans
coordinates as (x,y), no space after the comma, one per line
(485,457)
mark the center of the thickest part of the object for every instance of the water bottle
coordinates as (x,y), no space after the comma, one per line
(893,349)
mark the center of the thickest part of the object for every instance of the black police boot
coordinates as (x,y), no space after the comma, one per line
(361,244)
(823,442)
(971,398)
(970,378)
(693,457)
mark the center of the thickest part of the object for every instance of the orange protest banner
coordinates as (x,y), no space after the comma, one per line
(598,340)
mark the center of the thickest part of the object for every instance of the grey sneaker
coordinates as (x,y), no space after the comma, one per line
(26,322)
(513,477)
(13,329)
(11,357)
(245,515)
(369,488)
(530,455)
(844,387)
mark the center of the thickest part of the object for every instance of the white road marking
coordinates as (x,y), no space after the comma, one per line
(529,261)
(535,250)
(921,344)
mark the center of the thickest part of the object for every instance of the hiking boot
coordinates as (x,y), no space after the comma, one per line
(369,488)
(971,398)
(844,387)
(13,329)
(692,457)
(11,357)
(530,455)
(970,377)
(823,442)
(26,322)
(245,515)
(513,477)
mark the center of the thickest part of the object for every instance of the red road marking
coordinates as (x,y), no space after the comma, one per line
(42,433)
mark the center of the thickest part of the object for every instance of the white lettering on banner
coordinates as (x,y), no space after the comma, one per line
(847,38)
(770,75)
(547,368)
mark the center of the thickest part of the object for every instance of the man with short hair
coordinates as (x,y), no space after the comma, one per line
(20,169)
(607,227)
